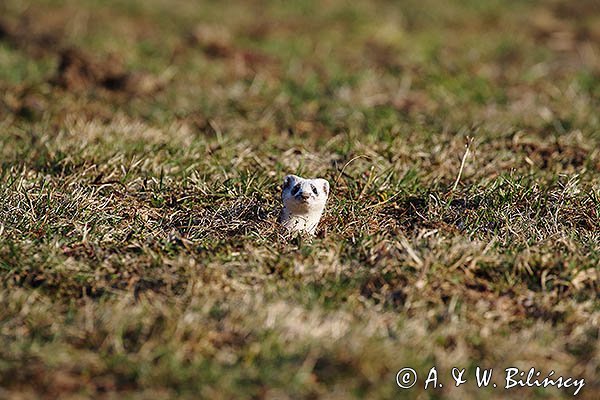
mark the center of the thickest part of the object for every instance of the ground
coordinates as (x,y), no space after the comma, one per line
(142,148)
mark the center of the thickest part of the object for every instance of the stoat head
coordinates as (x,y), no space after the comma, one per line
(301,195)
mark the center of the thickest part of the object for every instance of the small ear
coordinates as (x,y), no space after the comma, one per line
(288,181)
(325,186)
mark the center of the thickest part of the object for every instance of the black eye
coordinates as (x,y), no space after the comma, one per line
(314,189)
(295,189)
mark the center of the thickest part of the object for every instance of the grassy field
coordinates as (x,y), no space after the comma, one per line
(142,148)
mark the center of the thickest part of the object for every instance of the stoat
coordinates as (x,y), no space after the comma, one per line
(303,203)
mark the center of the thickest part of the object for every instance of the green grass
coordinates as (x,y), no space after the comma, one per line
(139,189)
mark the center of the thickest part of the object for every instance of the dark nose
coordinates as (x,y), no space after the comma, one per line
(305,195)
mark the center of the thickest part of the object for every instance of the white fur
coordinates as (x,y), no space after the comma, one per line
(302,207)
